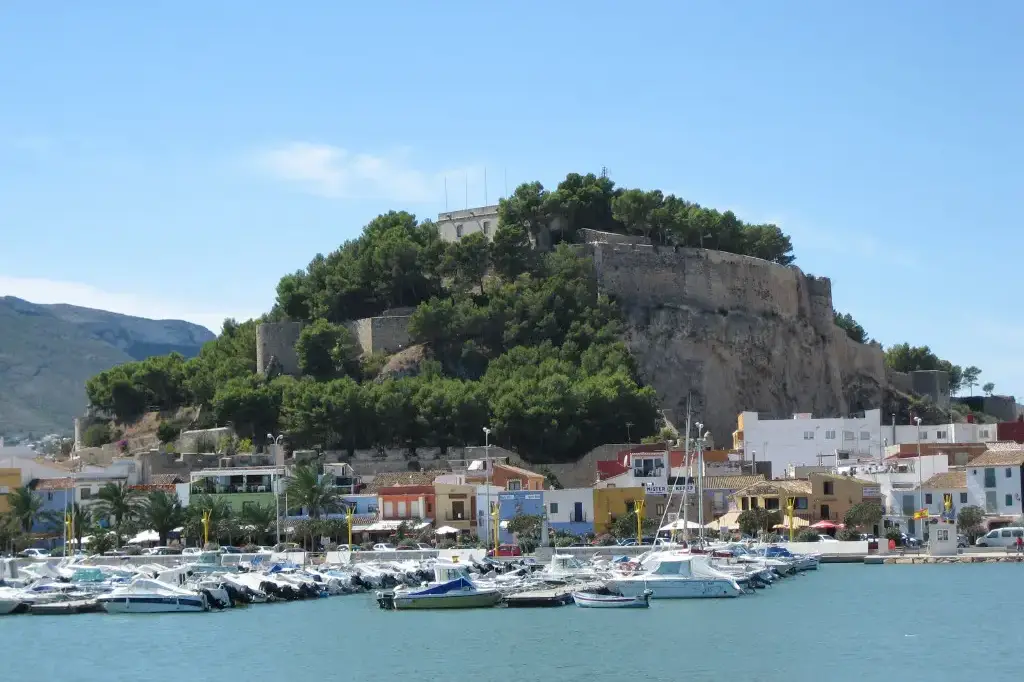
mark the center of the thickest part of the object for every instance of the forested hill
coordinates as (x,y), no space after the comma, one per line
(512,337)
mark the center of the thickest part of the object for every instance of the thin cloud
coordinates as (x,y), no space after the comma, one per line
(46,291)
(336,173)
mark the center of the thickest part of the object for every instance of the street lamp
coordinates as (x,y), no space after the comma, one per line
(920,466)
(487,464)
(275,443)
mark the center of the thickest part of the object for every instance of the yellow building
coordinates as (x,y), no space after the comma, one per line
(772,495)
(10,479)
(610,503)
(455,505)
(832,496)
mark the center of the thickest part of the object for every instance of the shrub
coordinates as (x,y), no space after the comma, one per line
(848,534)
(168,432)
(808,535)
(97,435)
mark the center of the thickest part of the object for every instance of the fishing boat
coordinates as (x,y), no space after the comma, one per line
(612,601)
(152,596)
(676,575)
(451,589)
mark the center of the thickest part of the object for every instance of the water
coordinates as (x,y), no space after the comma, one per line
(844,622)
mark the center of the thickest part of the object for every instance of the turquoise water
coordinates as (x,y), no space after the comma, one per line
(844,622)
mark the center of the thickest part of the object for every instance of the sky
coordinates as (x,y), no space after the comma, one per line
(174,159)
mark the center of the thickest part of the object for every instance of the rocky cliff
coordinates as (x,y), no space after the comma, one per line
(735,333)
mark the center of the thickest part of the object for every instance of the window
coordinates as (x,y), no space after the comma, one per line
(800,503)
(865,435)
(963,498)
(1005,534)
(389,510)
(401,510)
(927,498)
(744,503)
(86,493)
(1009,500)
(659,509)
(990,478)
(830,435)
(829,488)
(984,433)
(486,227)
(908,505)
(940,435)
(49,497)
(942,535)
(990,501)
(808,435)
(848,435)
(430,508)
(372,509)
(771,503)
(515,484)
(554,508)
(1009,472)
(458,231)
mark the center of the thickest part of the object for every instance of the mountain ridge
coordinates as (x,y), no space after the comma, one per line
(47,351)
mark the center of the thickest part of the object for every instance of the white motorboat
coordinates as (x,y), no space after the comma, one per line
(676,575)
(451,589)
(612,601)
(152,596)
(11,601)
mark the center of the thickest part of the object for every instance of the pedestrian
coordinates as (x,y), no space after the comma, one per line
(1020,545)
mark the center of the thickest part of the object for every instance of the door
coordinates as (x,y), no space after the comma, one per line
(458,510)
(577,512)
(826,513)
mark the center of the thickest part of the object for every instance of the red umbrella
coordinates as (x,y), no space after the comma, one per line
(825,525)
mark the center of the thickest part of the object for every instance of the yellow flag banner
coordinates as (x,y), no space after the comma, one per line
(921,514)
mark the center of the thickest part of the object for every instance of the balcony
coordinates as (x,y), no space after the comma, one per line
(577,517)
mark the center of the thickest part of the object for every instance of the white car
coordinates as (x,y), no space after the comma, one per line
(826,538)
(34,554)
(191,551)
(384,547)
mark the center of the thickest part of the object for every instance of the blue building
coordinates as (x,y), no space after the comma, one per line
(518,503)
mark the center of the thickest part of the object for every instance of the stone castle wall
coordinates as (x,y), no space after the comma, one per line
(735,333)
(277,340)
(386,334)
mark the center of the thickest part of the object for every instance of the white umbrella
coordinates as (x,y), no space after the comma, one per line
(145,536)
(446,530)
(680,524)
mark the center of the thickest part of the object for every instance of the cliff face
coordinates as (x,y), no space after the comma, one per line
(735,333)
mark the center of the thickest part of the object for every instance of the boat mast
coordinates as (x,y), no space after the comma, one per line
(688,471)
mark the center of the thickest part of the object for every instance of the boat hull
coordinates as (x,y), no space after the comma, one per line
(600,601)
(710,588)
(475,600)
(154,605)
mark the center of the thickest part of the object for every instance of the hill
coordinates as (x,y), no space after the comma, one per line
(47,352)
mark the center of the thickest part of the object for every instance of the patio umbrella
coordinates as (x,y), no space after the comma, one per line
(797,523)
(825,525)
(679,524)
(446,530)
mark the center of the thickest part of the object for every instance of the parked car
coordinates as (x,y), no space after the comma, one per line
(191,551)
(506,550)
(33,553)
(230,549)
(161,551)
(1001,537)
(384,547)
(423,547)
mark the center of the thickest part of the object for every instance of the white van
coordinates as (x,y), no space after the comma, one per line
(1001,537)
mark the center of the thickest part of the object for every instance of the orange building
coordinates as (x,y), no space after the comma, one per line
(506,476)
(401,502)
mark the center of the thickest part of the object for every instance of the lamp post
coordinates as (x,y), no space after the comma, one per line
(487,464)
(275,443)
(920,466)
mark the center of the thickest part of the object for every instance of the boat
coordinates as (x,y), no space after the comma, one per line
(144,595)
(451,589)
(12,601)
(612,601)
(65,607)
(676,575)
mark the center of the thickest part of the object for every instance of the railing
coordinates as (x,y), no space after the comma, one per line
(448,516)
(577,518)
(231,489)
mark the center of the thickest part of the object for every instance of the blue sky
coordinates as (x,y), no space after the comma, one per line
(174,159)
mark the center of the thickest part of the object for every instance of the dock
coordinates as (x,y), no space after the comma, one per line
(973,558)
(556,595)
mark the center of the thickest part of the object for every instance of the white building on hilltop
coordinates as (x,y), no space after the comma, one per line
(894,434)
(454,225)
(804,440)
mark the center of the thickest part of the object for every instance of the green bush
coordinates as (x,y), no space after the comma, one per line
(808,535)
(168,432)
(97,435)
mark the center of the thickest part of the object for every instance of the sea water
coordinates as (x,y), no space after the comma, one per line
(843,622)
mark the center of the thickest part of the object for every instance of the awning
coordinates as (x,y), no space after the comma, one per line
(446,530)
(380,526)
(680,524)
(145,536)
(797,523)
(726,521)
(828,525)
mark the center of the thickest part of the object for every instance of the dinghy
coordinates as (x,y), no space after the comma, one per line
(612,601)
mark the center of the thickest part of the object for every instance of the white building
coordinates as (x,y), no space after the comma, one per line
(994,480)
(951,486)
(805,440)
(569,505)
(899,481)
(485,494)
(454,225)
(648,470)
(939,433)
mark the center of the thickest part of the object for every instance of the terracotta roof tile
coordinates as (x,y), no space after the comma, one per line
(1000,456)
(951,480)
(389,479)
(165,479)
(731,482)
(53,484)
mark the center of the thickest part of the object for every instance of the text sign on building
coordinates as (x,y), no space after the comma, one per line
(654,489)
(871,491)
(532,497)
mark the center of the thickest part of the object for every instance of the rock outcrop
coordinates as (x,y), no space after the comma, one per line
(735,333)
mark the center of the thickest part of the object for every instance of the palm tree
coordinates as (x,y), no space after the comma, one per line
(10,531)
(257,520)
(81,519)
(305,489)
(220,517)
(25,507)
(120,502)
(163,513)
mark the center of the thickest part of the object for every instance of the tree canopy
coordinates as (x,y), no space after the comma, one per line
(516,337)
(906,358)
(852,328)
